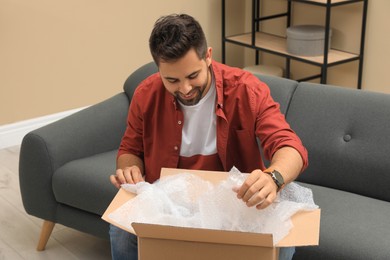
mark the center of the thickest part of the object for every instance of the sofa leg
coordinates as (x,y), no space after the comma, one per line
(47,228)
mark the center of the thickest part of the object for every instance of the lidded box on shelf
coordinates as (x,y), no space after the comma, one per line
(307,40)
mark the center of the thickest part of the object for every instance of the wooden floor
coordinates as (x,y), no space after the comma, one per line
(19,232)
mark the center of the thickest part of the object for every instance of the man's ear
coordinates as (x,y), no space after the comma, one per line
(209,56)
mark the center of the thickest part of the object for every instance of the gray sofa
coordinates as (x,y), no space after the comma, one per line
(65,166)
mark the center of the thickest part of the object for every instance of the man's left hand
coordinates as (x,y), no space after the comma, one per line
(259,190)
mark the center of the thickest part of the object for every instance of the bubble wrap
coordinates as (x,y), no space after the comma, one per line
(186,200)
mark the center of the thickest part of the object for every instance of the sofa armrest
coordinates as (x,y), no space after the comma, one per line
(94,130)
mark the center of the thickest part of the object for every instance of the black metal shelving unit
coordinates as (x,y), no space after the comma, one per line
(276,45)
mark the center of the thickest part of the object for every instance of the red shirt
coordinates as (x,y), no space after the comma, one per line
(244,109)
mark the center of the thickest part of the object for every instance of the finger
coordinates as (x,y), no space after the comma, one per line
(120,176)
(137,176)
(260,197)
(254,189)
(253,192)
(127,173)
(115,181)
(236,189)
(268,201)
(252,178)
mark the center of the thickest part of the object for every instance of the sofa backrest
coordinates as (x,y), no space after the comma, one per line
(347,134)
(282,89)
(137,77)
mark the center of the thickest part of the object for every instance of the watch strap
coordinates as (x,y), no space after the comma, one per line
(279,182)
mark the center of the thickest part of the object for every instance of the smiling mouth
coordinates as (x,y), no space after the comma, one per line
(189,96)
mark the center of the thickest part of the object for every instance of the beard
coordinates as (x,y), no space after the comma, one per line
(194,96)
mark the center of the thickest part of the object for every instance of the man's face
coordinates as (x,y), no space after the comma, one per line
(188,78)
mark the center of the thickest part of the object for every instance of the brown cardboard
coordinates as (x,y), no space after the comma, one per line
(169,242)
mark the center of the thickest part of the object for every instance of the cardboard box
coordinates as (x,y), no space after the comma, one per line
(170,242)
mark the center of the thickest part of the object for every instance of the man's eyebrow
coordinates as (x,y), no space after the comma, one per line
(188,76)
(170,78)
(193,73)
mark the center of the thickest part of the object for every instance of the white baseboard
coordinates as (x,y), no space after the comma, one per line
(12,134)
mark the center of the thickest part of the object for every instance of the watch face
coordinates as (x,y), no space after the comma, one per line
(278,178)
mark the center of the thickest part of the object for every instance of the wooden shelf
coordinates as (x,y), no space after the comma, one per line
(278,45)
(325,2)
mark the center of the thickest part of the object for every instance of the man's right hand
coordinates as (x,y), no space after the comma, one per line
(130,175)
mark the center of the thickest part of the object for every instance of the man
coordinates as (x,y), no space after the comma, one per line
(199,114)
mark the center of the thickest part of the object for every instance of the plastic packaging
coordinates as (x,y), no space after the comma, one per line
(188,201)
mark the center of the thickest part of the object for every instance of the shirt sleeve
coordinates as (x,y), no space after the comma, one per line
(272,128)
(131,142)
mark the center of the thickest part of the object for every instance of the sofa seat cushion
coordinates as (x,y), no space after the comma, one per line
(85,184)
(352,226)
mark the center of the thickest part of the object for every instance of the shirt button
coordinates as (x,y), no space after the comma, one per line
(176,148)
(179,122)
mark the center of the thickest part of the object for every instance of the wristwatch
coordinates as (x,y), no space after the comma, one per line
(277,177)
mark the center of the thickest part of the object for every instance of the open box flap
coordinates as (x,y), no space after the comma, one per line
(305,231)
(202,235)
(120,198)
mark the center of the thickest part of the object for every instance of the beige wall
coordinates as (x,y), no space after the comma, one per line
(60,55)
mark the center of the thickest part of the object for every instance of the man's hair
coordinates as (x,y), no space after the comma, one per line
(174,35)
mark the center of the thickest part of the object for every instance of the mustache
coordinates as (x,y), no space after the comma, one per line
(191,98)
(194,89)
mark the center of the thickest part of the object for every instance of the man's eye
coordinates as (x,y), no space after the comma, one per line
(172,80)
(193,76)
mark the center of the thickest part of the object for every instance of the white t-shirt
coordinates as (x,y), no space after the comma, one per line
(199,134)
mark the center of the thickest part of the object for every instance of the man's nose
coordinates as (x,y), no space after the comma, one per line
(185,87)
